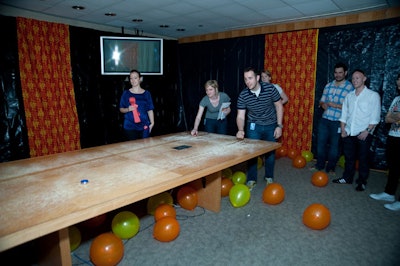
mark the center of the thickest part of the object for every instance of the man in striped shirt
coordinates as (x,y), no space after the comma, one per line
(263,105)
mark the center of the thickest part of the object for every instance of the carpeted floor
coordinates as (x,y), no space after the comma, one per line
(362,231)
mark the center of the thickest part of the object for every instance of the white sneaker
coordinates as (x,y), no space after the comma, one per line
(269,180)
(251,184)
(395,206)
(382,196)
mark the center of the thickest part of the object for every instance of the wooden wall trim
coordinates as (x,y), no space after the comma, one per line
(300,25)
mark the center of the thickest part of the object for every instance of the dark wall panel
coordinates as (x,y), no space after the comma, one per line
(222,60)
(14,140)
(372,47)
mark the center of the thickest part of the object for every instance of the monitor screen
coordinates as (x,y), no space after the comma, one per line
(119,55)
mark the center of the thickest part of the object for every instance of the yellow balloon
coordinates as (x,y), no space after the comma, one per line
(154,201)
(75,237)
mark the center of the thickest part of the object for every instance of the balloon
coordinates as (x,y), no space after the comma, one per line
(281,152)
(309,156)
(187,197)
(95,221)
(316,216)
(273,194)
(341,161)
(158,199)
(164,210)
(226,185)
(166,229)
(299,161)
(292,153)
(239,177)
(227,173)
(239,195)
(75,237)
(106,250)
(125,224)
(259,163)
(319,179)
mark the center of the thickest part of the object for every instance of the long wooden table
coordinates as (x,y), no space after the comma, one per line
(43,196)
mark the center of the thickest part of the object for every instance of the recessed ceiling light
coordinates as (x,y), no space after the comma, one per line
(164,26)
(180,29)
(110,14)
(78,7)
(137,20)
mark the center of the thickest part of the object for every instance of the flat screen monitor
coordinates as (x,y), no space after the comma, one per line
(119,55)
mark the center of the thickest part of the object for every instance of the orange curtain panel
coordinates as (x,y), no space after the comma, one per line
(47,88)
(292,59)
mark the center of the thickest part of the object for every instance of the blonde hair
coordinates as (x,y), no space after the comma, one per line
(212,83)
(266,71)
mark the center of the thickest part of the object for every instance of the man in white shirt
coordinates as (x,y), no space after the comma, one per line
(361,112)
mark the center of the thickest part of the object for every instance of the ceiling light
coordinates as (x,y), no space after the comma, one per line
(164,26)
(137,20)
(180,29)
(78,7)
(110,14)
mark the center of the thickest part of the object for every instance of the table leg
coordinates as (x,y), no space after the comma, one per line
(55,249)
(210,195)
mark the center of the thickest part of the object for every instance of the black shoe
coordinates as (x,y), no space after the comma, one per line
(341,181)
(360,187)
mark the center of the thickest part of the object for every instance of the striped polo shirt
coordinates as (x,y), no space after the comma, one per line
(260,110)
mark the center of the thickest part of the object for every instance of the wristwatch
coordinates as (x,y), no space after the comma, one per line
(279,125)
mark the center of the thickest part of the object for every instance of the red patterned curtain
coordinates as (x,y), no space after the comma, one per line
(292,59)
(47,88)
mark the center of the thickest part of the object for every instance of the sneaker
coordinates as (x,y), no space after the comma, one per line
(395,206)
(269,180)
(382,196)
(341,181)
(251,184)
(360,187)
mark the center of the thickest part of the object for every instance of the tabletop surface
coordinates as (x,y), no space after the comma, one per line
(44,194)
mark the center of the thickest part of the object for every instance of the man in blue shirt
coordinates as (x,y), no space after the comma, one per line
(329,125)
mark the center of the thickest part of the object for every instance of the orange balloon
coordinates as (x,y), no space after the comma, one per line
(292,153)
(316,216)
(273,194)
(281,152)
(299,161)
(226,185)
(106,250)
(166,229)
(187,198)
(164,210)
(319,179)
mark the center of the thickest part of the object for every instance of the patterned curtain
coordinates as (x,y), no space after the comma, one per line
(292,57)
(47,88)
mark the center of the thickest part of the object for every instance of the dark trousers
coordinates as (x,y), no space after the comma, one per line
(216,126)
(353,149)
(392,154)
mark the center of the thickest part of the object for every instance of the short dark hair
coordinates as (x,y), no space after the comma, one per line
(137,71)
(247,69)
(341,65)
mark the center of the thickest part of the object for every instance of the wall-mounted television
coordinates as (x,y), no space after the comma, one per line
(119,55)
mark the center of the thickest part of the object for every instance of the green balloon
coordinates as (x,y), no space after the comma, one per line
(125,224)
(239,195)
(308,155)
(341,161)
(239,177)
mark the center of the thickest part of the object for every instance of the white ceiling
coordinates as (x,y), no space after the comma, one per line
(195,17)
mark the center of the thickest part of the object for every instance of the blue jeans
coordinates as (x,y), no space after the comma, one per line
(353,149)
(328,144)
(263,133)
(216,126)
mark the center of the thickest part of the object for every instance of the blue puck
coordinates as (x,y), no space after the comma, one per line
(84,181)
